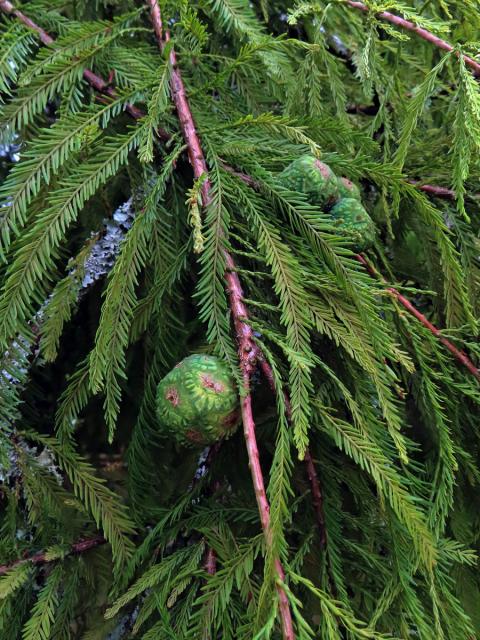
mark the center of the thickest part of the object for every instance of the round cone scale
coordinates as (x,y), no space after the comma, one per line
(197,402)
(313,178)
(352,220)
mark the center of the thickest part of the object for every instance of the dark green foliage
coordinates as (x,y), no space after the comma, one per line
(352,220)
(197,402)
(91,321)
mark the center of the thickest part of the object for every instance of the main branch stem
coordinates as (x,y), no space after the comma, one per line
(246,347)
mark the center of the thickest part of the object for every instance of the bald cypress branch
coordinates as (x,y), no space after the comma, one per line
(42,557)
(457,354)
(400,22)
(244,334)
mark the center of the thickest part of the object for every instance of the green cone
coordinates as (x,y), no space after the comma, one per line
(313,178)
(348,189)
(352,220)
(197,402)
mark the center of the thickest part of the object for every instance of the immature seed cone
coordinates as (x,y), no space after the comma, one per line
(315,179)
(197,402)
(348,189)
(352,220)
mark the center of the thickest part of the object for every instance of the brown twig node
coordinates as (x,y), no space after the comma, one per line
(434,190)
(317,497)
(211,562)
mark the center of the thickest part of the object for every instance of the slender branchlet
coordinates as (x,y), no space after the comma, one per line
(457,354)
(42,557)
(400,22)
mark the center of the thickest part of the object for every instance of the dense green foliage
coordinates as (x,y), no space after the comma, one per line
(389,416)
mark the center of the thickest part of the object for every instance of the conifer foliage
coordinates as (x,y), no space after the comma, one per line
(145,217)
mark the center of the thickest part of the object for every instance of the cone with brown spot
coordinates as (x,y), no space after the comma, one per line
(197,402)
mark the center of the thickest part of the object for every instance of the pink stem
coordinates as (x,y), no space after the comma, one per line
(244,177)
(40,558)
(422,33)
(261,496)
(187,125)
(248,350)
(7,7)
(211,562)
(461,356)
(438,192)
(246,347)
(248,353)
(317,497)
(368,267)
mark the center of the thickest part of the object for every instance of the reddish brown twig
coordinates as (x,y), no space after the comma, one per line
(420,31)
(7,7)
(246,347)
(433,190)
(247,354)
(40,558)
(439,192)
(248,350)
(368,267)
(244,177)
(180,100)
(317,497)
(461,356)
(211,562)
